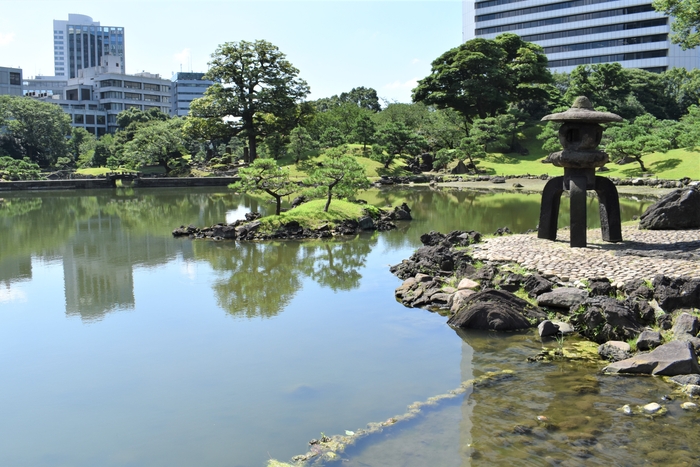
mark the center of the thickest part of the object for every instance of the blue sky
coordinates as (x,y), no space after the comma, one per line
(336,45)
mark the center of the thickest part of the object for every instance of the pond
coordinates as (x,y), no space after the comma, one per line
(122,345)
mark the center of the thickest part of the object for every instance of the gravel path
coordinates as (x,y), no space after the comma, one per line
(641,255)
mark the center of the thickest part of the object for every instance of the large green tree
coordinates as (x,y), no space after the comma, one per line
(251,79)
(37,130)
(686,20)
(481,77)
(156,143)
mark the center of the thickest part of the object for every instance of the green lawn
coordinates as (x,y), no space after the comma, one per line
(311,214)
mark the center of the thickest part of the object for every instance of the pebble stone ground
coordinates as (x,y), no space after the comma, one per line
(641,255)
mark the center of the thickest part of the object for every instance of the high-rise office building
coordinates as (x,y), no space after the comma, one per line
(185,88)
(81,42)
(581,32)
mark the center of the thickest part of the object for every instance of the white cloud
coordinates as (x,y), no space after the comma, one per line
(6,38)
(410,84)
(414,61)
(184,56)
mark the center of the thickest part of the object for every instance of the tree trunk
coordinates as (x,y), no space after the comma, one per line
(328,201)
(253,145)
(279,205)
(641,164)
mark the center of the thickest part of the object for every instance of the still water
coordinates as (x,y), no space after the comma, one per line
(122,346)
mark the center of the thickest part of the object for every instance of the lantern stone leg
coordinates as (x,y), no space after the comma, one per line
(610,223)
(549,209)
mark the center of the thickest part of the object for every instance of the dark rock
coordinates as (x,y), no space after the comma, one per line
(674,358)
(298,201)
(686,324)
(486,273)
(366,223)
(431,259)
(665,321)
(498,179)
(672,294)
(563,297)
(536,285)
(460,168)
(648,340)
(243,231)
(601,287)
(502,231)
(251,216)
(692,340)
(185,231)
(606,319)
(495,310)
(512,282)
(614,351)
(676,211)
(402,213)
(227,232)
(547,328)
(686,379)
(644,312)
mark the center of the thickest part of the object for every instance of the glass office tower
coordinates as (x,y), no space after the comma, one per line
(580,32)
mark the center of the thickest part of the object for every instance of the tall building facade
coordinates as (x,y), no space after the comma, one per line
(81,42)
(185,88)
(10,81)
(582,32)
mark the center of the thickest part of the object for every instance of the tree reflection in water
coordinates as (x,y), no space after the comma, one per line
(260,279)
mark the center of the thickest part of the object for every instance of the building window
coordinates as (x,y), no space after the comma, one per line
(78,118)
(134,96)
(151,98)
(90,119)
(566,19)
(608,58)
(15,79)
(132,85)
(111,95)
(602,44)
(151,87)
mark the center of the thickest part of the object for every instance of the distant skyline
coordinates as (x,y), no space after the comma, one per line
(336,45)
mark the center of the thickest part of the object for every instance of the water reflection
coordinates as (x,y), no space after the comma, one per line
(101,236)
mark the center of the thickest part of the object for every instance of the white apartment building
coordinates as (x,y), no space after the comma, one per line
(10,81)
(81,42)
(98,94)
(185,88)
(581,32)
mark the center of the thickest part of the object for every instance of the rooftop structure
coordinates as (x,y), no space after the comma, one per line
(581,32)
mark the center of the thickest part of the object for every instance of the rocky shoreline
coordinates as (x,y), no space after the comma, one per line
(644,313)
(248,229)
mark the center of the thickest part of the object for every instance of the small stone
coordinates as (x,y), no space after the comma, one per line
(689,406)
(467,284)
(626,409)
(564,328)
(652,407)
(423,277)
(692,389)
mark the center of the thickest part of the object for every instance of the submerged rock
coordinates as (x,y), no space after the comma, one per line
(674,358)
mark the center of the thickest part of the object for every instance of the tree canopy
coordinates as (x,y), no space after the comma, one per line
(33,129)
(265,176)
(481,77)
(339,174)
(251,79)
(686,21)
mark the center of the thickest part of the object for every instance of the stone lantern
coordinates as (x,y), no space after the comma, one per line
(580,136)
